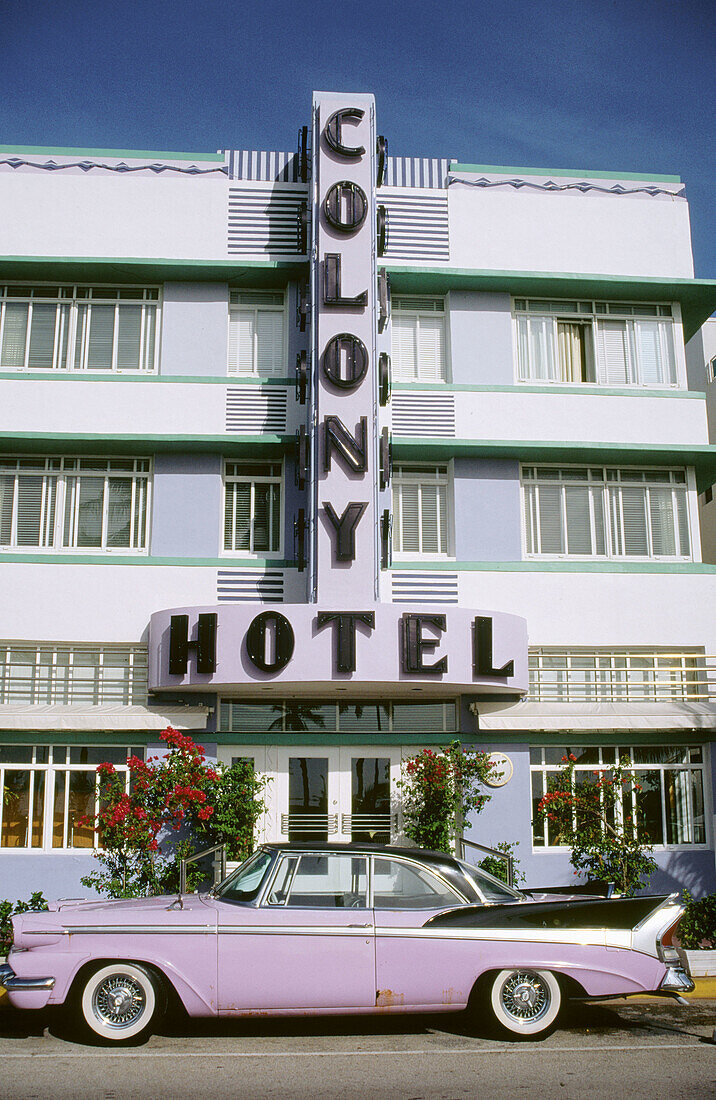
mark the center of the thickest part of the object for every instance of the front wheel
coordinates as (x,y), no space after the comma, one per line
(120,1001)
(525,1002)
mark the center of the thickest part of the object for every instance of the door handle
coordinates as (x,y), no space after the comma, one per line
(360,925)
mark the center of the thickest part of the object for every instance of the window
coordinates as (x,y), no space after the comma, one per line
(607,343)
(252,507)
(256,334)
(46,674)
(418,340)
(574,675)
(76,328)
(420,510)
(334,881)
(671,801)
(74,503)
(45,791)
(604,512)
(398,885)
(360,717)
(711,370)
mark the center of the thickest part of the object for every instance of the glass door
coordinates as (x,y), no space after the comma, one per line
(307,790)
(367,795)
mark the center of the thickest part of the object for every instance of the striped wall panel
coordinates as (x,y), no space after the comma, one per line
(255,164)
(414,587)
(416,172)
(247,585)
(418,226)
(255,409)
(425,414)
(263,219)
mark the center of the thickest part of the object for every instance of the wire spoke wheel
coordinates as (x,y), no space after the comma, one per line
(119,1001)
(525,1002)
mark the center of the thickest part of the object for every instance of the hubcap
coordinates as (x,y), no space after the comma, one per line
(119,1001)
(525,996)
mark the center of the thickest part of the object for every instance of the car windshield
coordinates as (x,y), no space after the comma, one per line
(244,883)
(490,888)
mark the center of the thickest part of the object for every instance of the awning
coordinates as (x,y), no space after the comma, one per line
(107,716)
(528,715)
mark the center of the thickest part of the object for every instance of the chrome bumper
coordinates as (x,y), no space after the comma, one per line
(10,981)
(677,980)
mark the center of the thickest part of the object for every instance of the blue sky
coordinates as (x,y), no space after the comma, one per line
(591,84)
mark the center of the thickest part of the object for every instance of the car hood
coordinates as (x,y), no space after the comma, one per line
(166,913)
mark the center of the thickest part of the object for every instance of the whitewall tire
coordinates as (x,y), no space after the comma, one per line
(120,1001)
(525,1002)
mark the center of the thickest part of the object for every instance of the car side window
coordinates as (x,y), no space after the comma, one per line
(398,885)
(331,881)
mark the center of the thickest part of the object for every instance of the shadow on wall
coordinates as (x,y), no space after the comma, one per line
(678,871)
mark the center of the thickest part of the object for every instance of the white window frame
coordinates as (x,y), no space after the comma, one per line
(254,479)
(72,331)
(692,766)
(417,307)
(50,769)
(255,302)
(529,488)
(61,477)
(591,313)
(54,674)
(416,474)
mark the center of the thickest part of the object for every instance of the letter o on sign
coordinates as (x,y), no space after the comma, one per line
(345,206)
(271,623)
(347,348)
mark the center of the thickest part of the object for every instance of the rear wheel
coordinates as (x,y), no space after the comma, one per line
(525,1002)
(121,1001)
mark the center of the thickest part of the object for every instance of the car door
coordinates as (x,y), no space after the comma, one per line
(308,947)
(416,967)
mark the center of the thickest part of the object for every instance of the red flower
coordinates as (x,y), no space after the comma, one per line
(105,769)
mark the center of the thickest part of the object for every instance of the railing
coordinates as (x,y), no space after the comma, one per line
(315,824)
(494,852)
(371,824)
(218,865)
(625,676)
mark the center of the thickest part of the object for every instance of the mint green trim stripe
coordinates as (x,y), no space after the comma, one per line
(701,456)
(328,739)
(127,376)
(154,269)
(592,737)
(87,443)
(88,737)
(135,154)
(697,297)
(70,558)
(581,391)
(534,566)
(498,169)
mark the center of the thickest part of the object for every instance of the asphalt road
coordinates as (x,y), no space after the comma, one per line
(614,1050)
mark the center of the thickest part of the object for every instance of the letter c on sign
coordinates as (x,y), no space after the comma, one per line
(283,641)
(334,136)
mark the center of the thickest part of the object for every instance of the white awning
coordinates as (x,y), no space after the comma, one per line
(528,715)
(108,716)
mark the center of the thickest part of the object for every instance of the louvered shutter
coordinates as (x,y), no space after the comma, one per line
(404,348)
(683,524)
(261,517)
(633,506)
(531,519)
(269,339)
(14,334)
(432,517)
(550,520)
(7,493)
(613,353)
(579,527)
(239,534)
(42,336)
(431,349)
(150,330)
(241,341)
(32,525)
(409,516)
(101,337)
(119,511)
(655,353)
(129,337)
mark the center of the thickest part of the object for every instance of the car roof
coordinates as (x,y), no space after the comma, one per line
(425,854)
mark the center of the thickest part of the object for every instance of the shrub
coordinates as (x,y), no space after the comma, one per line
(439,790)
(697,927)
(498,867)
(8,910)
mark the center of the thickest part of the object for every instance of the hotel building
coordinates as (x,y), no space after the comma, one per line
(329,456)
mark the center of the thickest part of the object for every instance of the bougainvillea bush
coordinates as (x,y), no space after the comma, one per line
(599,818)
(439,791)
(175,806)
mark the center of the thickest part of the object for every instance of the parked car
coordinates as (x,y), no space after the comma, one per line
(353,928)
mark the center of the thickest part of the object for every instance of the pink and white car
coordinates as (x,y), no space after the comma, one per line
(329,928)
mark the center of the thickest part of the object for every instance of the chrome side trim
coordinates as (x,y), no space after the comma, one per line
(134,929)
